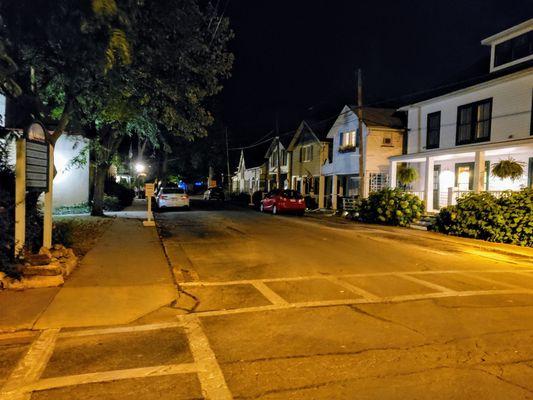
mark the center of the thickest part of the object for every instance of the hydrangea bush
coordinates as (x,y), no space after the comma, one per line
(390,207)
(505,219)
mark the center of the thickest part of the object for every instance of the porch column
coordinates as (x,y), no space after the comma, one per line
(321,189)
(479,171)
(393,168)
(304,186)
(428,183)
(334,192)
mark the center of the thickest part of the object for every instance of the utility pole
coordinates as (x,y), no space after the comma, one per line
(227,162)
(278,174)
(362,174)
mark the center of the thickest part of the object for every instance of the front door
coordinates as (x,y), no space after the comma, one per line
(464,176)
(436,186)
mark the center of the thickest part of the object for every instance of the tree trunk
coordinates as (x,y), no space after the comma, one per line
(97,208)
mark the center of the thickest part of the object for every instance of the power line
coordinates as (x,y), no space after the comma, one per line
(371,121)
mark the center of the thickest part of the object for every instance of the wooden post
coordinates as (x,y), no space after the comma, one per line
(334,192)
(20,197)
(321,191)
(48,202)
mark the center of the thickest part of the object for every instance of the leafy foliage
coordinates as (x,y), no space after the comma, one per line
(123,194)
(509,168)
(407,175)
(390,207)
(507,219)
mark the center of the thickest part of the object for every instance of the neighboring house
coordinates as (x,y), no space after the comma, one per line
(71,183)
(457,134)
(383,133)
(251,171)
(308,151)
(277,149)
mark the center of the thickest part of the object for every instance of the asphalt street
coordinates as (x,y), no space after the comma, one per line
(279,307)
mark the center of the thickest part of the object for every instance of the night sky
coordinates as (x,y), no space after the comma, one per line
(299,57)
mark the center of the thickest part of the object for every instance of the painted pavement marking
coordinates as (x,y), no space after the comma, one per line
(106,376)
(212,380)
(492,281)
(332,303)
(427,284)
(120,329)
(30,367)
(323,276)
(271,296)
(352,288)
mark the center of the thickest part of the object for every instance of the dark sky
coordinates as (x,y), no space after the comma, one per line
(291,55)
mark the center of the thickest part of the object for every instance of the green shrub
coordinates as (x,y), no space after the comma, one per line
(124,194)
(507,219)
(390,207)
(112,203)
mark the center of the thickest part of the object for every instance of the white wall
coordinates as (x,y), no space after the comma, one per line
(511,112)
(71,184)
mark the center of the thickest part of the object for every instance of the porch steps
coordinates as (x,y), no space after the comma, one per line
(423,223)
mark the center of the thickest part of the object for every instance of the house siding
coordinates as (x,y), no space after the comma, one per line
(343,163)
(377,154)
(511,113)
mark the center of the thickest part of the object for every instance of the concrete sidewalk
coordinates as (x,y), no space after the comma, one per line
(124,277)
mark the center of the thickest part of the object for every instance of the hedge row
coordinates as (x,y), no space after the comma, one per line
(506,219)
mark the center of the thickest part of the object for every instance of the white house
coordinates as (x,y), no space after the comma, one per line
(457,134)
(277,149)
(383,131)
(250,174)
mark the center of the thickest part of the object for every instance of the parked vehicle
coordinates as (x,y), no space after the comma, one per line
(168,197)
(283,201)
(214,193)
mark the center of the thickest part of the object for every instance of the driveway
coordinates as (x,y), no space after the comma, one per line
(275,307)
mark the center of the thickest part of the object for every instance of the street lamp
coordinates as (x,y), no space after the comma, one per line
(140,168)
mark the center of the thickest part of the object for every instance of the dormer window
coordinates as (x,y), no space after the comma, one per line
(513,49)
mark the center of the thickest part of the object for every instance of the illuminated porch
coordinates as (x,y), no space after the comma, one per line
(445,174)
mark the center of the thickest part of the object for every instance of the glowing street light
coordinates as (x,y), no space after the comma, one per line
(140,168)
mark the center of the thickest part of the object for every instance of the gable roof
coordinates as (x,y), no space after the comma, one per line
(381,117)
(319,129)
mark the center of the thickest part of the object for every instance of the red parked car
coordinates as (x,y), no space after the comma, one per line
(279,201)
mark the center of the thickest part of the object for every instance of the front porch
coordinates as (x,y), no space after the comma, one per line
(447,174)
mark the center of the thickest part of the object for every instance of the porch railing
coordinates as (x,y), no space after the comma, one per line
(454,193)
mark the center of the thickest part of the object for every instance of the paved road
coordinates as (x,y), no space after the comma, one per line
(274,307)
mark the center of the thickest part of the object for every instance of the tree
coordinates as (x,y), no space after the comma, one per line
(177,61)
(55,60)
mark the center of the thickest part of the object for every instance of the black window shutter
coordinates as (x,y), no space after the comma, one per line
(340,138)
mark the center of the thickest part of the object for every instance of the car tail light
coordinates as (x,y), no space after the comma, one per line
(164,197)
(184,197)
(300,201)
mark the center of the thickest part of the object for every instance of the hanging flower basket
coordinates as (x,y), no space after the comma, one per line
(407,175)
(509,168)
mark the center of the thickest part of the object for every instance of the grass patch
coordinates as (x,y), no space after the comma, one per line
(81,208)
(80,233)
